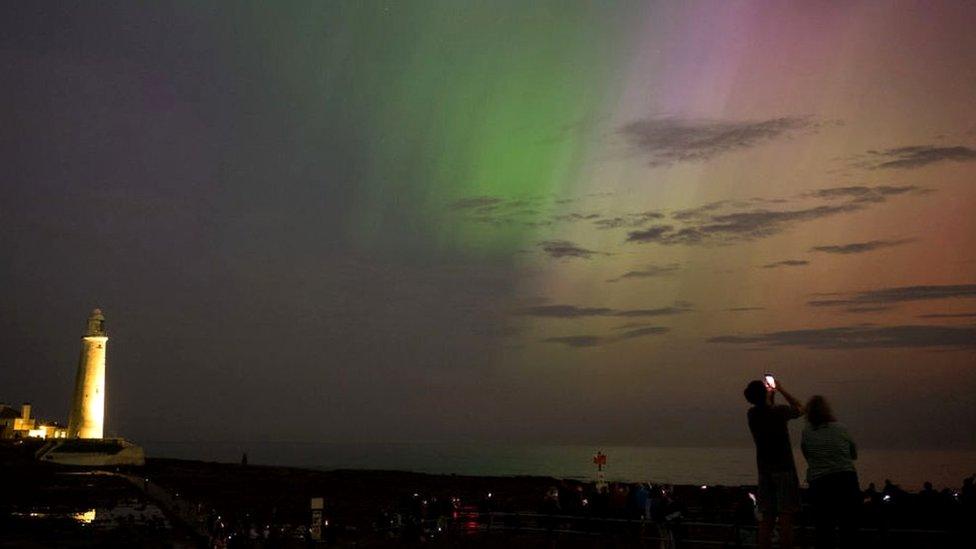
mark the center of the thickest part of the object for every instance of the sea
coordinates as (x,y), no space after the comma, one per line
(680,465)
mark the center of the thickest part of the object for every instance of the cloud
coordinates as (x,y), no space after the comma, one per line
(641,332)
(899,294)
(861,193)
(765,222)
(867,308)
(578,340)
(727,221)
(538,211)
(860,247)
(571,311)
(916,156)
(786,263)
(527,210)
(730,221)
(474,202)
(667,141)
(744,225)
(861,337)
(581,341)
(576,217)
(651,271)
(652,234)
(631,325)
(948,315)
(693,213)
(612,223)
(632,220)
(564,248)
(565,311)
(654,312)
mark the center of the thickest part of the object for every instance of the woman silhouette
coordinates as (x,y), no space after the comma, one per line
(830,453)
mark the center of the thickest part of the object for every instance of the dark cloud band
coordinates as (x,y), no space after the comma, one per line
(786,263)
(587,340)
(860,247)
(861,337)
(900,294)
(670,140)
(917,156)
(565,249)
(570,311)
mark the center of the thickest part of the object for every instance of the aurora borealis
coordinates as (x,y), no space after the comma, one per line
(560,221)
(448,103)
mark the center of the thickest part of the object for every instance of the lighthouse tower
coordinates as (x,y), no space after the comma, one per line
(87,417)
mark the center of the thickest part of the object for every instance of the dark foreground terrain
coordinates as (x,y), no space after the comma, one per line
(174,503)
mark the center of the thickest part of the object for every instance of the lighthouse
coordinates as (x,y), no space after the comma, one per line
(87,416)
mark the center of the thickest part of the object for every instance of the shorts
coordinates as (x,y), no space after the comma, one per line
(779,492)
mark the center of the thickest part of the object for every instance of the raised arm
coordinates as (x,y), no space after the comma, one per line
(794,403)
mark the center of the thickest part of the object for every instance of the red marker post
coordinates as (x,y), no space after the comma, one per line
(600,460)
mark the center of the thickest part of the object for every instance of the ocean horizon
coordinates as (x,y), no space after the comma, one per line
(673,465)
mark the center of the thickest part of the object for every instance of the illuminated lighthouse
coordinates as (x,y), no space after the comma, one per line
(87,417)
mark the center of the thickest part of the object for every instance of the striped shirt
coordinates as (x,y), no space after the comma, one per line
(827,449)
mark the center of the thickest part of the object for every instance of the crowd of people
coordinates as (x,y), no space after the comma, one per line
(945,509)
(881,514)
(622,510)
(656,503)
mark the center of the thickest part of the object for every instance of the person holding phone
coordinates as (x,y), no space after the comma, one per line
(778,496)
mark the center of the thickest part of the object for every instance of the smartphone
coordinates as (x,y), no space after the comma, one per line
(770,380)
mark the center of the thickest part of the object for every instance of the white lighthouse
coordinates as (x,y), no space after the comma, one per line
(87,417)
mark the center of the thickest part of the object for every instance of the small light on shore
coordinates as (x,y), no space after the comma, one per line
(86,517)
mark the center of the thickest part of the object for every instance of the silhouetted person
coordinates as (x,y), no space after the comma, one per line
(967,500)
(929,496)
(967,495)
(244,458)
(779,488)
(930,507)
(830,453)
(871,493)
(641,501)
(890,488)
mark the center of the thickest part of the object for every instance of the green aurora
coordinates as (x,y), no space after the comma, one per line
(449,103)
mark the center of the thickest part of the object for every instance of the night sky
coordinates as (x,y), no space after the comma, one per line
(542,222)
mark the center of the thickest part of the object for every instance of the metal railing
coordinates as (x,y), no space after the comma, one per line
(668,534)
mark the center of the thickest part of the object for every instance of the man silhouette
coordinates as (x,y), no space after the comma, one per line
(779,486)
